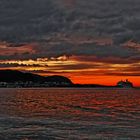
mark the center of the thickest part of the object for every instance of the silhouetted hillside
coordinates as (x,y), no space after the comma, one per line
(58,78)
(17,76)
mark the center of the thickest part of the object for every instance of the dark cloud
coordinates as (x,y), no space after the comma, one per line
(108,60)
(40,21)
(123,74)
(8,65)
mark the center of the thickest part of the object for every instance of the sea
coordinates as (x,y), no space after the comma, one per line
(69,114)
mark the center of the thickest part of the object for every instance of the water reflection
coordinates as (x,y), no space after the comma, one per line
(88,112)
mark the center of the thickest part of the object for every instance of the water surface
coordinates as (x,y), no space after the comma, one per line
(68,113)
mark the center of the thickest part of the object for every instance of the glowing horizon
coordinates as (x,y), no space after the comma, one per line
(77,69)
(87,41)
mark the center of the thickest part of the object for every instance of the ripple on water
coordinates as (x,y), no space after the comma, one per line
(30,114)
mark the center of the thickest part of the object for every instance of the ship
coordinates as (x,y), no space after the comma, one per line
(125,84)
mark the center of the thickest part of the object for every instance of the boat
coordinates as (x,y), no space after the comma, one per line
(125,84)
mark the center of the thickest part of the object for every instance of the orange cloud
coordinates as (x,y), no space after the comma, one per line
(78,70)
(7,50)
(133,45)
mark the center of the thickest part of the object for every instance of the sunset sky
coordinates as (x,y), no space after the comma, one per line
(88,41)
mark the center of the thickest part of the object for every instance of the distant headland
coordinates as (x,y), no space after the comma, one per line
(13,78)
(18,79)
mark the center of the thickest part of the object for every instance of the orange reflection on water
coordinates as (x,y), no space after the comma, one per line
(97,104)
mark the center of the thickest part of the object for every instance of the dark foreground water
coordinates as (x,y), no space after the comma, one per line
(69,114)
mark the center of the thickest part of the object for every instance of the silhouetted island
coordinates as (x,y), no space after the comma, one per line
(18,79)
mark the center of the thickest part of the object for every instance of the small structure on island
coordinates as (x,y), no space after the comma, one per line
(125,84)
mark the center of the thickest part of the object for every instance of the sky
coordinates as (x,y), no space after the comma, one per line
(88,41)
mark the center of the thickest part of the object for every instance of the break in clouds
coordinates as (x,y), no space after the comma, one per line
(31,29)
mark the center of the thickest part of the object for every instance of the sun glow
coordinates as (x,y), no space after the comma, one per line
(79,71)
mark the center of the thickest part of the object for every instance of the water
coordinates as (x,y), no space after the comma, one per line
(69,114)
